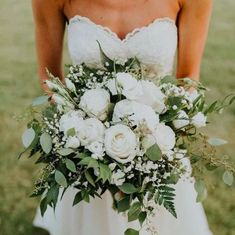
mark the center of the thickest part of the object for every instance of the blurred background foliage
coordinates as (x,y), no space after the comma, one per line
(19,85)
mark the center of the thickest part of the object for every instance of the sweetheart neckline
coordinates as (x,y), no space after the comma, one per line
(129,35)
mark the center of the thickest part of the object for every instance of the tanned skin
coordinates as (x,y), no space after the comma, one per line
(122,16)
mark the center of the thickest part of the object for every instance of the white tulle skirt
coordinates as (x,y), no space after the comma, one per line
(98,217)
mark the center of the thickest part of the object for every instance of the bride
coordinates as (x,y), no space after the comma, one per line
(151,30)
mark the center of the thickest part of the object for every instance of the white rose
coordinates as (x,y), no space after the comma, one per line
(120,143)
(72,119)
(152,96)
(97,149)
(165,137)
(95,103)
(199,120)
(72,142)
(92,131)
(118,178)
(182,120)
(138,114)
(125,84)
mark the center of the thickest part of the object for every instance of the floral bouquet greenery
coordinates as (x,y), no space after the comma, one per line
(110,128)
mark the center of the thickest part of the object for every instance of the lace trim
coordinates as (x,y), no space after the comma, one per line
(129,35)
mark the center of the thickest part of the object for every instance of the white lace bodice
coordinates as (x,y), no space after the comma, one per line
(154,45)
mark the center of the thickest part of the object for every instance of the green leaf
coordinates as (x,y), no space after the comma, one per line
(65,151)
(194,159)
(228,178)
(210,167)
(200,188)
(70,165)
(154,153)
(46,142)
(77,198)
(43,206)
(89,178)
(105,173)
(85,161)
(60,179)
(71,132)
(40,100)
(28,137)
(216,141)
(128,188)
(131,231)
(93,164)
(169,79)
(123,204)
(142,217)
(53,194)
(134,211)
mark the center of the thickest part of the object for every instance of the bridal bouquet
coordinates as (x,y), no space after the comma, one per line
(110,128)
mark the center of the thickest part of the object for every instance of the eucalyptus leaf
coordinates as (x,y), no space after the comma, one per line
(228,178)
(128,188)
(46,142)
(154,153)
(65,151)
(40,100)
(60,179)
(28,137)
(216,141)
(77,198)
(200,188)
(169,79)
(70,165)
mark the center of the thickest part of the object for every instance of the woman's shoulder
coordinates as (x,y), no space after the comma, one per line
(196,4)
(49,4)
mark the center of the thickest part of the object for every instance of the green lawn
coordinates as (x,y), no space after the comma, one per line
(19,84)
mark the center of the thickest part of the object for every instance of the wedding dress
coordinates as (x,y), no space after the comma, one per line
(155,46)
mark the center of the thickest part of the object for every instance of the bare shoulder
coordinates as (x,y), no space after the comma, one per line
(48,7)
(196,5)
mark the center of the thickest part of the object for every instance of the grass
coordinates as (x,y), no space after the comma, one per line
(19,84)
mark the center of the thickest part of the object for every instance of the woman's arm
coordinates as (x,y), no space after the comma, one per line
(193,23)
(49,29)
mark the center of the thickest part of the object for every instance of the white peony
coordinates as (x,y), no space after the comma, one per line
(165,137)
(182,120)
(118,178)
(97,149)
(125,84)
(72,142)
(120,143)
(95,103)
(138,114)
(199,120)
(152,96)
(72,119)
(92,130)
